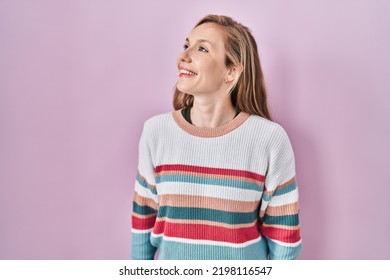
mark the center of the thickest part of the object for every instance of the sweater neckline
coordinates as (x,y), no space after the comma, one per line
(209,132)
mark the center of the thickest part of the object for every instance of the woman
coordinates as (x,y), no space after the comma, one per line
(216,178)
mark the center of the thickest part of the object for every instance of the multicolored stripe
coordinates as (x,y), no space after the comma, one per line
(279,215)
(145,205)
(191,216)
(194,218)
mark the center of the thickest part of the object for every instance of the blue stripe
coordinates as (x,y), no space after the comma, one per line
(209,181)
(266,197)
(141,249)
(288,220)
(143,210)
(146,185)
(174,250)
(280,252)
(286,189)
(192,213)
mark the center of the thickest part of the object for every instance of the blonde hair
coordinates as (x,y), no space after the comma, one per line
(249,93)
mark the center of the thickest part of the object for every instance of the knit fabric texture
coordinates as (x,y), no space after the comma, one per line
(215,193)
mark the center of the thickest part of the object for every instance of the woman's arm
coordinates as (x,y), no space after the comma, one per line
(279,213)
(145,204)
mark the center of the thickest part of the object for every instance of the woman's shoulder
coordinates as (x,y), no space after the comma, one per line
(268,125)
(158,121)
(272,133)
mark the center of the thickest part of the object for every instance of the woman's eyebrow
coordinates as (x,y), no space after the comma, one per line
(201,41)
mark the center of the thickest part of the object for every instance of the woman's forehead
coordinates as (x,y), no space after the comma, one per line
(208,32)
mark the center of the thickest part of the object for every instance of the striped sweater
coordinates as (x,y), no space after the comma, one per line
(215,193)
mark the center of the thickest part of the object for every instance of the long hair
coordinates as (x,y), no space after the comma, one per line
(249,93)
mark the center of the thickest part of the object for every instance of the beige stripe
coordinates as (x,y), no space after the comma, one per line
(145,201)
(270,193)
(230,177)
(144,179)
(204,222)
(289,182)
(288,209)
(282,226)
(144,216)
(209,132)
(178,200)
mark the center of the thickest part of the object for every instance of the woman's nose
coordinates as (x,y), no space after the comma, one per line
(185,56)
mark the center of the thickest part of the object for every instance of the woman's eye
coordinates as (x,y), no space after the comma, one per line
(185,46)
(202,49)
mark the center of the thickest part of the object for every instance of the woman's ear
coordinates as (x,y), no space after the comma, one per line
(234,73)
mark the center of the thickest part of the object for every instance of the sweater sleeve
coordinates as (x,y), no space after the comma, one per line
(279,213)
(145,203)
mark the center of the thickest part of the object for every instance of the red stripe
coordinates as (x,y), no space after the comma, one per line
(206,232)
(141,224)
(284,235)
(209,170)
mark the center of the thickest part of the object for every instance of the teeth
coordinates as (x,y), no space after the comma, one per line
(183,71)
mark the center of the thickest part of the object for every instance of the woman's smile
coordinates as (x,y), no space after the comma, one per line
(185,73)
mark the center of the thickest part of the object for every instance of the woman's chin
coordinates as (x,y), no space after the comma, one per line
(183,89)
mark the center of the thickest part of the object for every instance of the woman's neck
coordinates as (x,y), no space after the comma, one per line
(209,114)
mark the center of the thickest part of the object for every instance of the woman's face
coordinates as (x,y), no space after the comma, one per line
(201,65)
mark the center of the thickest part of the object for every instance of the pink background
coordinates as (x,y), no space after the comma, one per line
(78,79)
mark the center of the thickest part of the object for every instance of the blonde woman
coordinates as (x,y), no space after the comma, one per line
(216,177)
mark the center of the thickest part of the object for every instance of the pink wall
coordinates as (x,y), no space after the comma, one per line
(78,79)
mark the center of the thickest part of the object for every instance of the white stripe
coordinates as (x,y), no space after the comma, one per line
(287,244)
(206,242)
(208,191)
(141,230)
(264,205)
(144,192)
(287,198)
